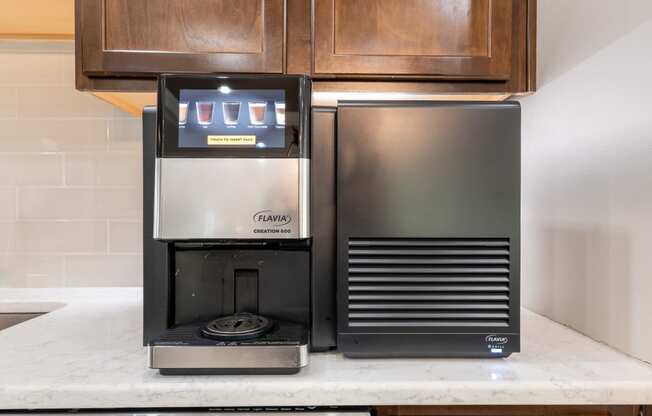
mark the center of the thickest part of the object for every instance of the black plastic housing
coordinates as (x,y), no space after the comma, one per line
(428,229)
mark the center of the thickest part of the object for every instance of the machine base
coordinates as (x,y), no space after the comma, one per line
(385,345)
(226,371)
(182,350)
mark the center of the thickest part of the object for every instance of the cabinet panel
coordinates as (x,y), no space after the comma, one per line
(468,39)
(299,36)
(413,27)
(126,37)
(466,46)
(214,26)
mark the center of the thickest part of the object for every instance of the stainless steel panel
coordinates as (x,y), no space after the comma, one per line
(204,198)
(304,198)
(241,356)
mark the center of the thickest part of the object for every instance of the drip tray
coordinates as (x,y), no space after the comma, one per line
(282,348)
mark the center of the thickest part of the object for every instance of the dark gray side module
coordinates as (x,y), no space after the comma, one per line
(428,229)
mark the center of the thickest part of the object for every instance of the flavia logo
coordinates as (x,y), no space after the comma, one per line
(495,339)
(270,218)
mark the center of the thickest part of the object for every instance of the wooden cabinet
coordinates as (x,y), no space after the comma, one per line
(469,39)
(146,37)
(469,46)
(462,45)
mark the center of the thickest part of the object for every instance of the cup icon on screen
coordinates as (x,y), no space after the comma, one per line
(279,107)
(231,112)
(204,112)
(257,112)
(183,113)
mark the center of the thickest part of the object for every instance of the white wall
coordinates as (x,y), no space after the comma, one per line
(70,176)
(571,31)
(587,172)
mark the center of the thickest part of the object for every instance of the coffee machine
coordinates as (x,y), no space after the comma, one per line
(276,225)
(228,245)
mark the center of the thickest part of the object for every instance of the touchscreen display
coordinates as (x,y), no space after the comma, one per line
(227,117)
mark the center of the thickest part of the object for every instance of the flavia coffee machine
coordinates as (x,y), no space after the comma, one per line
(227,269)
(275,227)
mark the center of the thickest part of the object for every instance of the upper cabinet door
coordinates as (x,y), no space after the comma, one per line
(448,39)
(146,37)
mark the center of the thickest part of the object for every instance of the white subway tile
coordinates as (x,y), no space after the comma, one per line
(79,203)
(31,169)
(125,237)
(59,236)
(108,169)
(69,69)
(125,134)
(59,102)
(70,176)
(80,135)
(6,236)
(19,68)
(7,278)
(31,270)
(103,270)
(8,102)
(120,113)
(7,203)
(81,169)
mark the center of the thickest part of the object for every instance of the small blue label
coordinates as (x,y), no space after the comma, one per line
(497,350)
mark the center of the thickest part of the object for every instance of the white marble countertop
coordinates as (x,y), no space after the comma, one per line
(87,353)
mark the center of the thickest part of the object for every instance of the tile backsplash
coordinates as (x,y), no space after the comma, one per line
(70,176)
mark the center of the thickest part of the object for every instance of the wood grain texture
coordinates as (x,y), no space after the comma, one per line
(81,80)
(427,39)
(215,51)
(298,56)
(521,69)
(413,87)
(292,45)
(412,27)
(184,25)
(531,46)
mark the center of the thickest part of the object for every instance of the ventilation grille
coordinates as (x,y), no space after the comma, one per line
(421,283)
